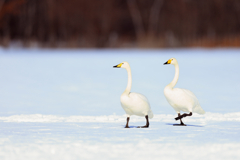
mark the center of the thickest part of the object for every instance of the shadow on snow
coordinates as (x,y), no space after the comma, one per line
(173,124)
(132,126)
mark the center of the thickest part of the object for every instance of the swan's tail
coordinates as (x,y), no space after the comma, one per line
(150,114)
(198,109)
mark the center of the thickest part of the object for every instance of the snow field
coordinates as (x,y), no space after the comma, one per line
(64,105)
(207,117)
(140,151)
(110,140)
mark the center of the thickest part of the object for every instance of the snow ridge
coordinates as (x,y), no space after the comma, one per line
(117,118)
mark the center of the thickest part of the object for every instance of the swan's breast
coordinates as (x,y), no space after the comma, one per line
(168,93)
(125,99)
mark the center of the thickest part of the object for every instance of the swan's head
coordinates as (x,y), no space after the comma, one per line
(122,65)
(172,61)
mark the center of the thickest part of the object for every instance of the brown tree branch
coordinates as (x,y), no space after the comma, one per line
(154,16)
(1,4)
(136,18)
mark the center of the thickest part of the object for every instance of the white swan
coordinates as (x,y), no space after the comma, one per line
(181,99)
(134,103)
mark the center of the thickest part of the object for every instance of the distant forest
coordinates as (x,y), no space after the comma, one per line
(120,23)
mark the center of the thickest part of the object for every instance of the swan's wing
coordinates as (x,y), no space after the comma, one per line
(197,108)
(190,94)
(142,100)
(139,99)
(138,96)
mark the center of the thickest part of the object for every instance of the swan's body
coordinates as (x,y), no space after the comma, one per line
(181,99)
(134,103)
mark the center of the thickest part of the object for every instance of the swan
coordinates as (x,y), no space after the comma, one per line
(181,99)
(134,103)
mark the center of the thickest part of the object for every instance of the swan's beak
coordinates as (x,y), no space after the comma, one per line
(168,62)
(118,66)
(115,66)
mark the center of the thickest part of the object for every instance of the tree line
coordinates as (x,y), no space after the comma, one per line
(120,23)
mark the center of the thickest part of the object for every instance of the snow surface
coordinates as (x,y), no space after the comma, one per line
(65,104)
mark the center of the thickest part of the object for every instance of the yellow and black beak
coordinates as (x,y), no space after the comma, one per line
(118,66)
(168,62)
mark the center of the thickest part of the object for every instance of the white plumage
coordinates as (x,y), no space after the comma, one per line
(134,103)
(181,99)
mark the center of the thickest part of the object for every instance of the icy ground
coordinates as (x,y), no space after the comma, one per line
(64,104)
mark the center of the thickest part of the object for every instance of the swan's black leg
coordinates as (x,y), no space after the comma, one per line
(147,123)
(127,122)
(180,117)
(183,115)
(181,123)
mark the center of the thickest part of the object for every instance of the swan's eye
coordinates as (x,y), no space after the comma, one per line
(122,63)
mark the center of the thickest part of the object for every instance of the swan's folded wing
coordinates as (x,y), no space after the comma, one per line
(143,100)
(190,94)
(197,108)
(139,96)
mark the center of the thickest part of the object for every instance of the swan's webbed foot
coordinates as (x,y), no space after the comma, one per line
(181,123)
(143,126)
(147,123)
(127,123)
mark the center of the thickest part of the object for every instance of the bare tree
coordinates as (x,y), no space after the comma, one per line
(154,17)
(137,19)
(104,23)
(1,4)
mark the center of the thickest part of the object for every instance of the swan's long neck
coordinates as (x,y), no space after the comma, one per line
(129,84)
(175,79)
